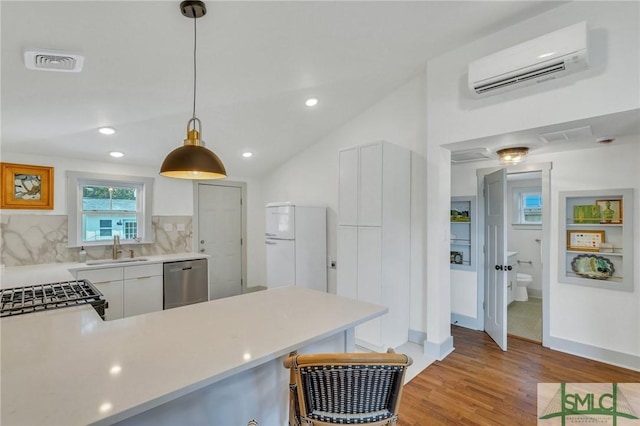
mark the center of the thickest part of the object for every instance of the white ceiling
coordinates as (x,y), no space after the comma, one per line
(257,63)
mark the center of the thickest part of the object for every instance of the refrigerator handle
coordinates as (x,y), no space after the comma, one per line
(270,242)
(269,235)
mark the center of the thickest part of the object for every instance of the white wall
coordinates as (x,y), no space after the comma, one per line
(172,197)
(312,175)
(522,239)
(611,84)
(595,317)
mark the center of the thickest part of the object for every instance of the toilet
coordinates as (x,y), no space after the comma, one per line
(523,281)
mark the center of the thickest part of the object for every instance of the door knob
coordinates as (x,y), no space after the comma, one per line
(201,241)
(201,250)
(498,267)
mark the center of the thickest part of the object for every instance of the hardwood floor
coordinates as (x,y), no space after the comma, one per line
(479,384)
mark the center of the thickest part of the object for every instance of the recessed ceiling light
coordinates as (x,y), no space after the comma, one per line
(247,154)
(311,102)
(107,130)
(116,154)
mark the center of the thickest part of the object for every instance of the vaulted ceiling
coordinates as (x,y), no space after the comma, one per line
(257,63)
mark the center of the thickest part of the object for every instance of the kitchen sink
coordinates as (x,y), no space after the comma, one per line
(112,261)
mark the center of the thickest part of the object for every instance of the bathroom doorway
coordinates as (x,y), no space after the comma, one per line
(535,251)
(524,204)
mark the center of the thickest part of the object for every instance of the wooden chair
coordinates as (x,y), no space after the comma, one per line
(346,388)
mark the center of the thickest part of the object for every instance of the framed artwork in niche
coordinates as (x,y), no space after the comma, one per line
(26,187)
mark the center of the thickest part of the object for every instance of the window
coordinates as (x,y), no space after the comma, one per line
(527,206)
(104,206)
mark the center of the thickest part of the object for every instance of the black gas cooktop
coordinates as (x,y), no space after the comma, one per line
(41,297)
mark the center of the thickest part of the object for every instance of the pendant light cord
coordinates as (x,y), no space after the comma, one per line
(195,44)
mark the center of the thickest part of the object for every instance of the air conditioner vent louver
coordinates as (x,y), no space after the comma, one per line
(55,62)
(548,70)
(52,60)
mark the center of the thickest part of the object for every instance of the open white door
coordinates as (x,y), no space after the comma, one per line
(495,292)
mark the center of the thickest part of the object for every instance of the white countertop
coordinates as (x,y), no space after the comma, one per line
(19,276)
(67,366)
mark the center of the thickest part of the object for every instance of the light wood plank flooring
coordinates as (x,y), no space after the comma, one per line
(479,384)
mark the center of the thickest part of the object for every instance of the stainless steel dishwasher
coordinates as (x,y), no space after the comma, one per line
(185,282)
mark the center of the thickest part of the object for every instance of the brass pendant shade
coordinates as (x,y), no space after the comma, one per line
(193,160)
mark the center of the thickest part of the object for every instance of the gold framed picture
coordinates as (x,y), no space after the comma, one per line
(26,187)
(584,240)
(610,211)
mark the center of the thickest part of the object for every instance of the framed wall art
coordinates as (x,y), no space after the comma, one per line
(26,187)
(610,211)
(584,240)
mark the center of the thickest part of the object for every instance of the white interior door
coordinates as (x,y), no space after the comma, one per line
(495,294)
(220,236)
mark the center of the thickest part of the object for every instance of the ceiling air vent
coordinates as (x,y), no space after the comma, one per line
(53,60)
(565,135)
(467,155)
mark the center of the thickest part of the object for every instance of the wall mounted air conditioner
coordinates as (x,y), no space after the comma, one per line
(550,56)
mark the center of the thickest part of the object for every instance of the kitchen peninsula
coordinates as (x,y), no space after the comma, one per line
(217,362)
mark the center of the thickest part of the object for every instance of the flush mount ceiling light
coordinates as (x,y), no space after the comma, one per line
(193,160)
(116,154)
(107,130)
(311,102)
(512,155)
(247,154)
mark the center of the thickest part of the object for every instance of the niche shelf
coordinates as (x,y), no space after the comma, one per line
(596,238)
(463,233)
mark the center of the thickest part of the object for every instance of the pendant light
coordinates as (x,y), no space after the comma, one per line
(193,160)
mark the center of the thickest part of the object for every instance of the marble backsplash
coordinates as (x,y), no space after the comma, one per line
(36,239)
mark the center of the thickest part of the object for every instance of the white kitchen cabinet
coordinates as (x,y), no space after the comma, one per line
(143,289)
(374,238)
(370,186)
(129,290)
(109,282)
(348,190)
(370,280)
(348,262)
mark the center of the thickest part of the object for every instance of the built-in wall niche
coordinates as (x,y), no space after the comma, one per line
(596,239)
(463,233)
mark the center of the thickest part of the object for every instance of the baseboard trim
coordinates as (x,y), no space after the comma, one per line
(440,350)
(417,337)
(619,359)
(466,322)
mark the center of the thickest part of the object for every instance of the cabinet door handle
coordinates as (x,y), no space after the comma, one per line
(144,278)
(498,267)
(509,268)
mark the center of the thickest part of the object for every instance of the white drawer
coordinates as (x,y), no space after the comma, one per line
(138,271)
(101,275)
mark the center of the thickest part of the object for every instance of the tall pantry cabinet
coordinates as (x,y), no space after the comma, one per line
(374,220)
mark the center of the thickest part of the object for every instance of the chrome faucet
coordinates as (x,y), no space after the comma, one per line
(116,246)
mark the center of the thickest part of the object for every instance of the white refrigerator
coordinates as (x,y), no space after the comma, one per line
(296,242)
